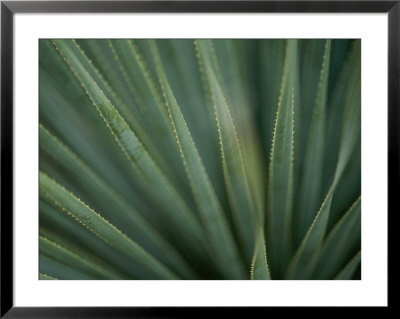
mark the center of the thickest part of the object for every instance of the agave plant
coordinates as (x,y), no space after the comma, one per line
(200,159)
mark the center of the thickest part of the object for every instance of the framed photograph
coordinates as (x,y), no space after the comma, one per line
(172,158)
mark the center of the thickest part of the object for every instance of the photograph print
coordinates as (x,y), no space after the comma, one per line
(199,159)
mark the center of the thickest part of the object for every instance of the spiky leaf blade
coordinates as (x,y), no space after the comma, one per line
(99,226)
(312,168)
(347,272)
(300,267)
(158,183)
(340,243)
(240,199)
(280,180)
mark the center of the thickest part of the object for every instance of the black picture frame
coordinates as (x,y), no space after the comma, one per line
(9,8)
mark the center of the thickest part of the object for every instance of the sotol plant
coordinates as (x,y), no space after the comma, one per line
(205,159)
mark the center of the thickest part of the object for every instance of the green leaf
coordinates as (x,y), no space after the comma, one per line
(110,200)
(143,87)
(300,267)
(234,172)
(132,118)
(272,61)
(311,55)
(259,267)
(218,232)
(340,244)
(148,96)
(67,111)
(351,183)
(280,182)
(104,60)
(241,99)
(61,254)
(115,100)
(156,181)
(180,64)
(312,168)
(132,105)
(336,107)
(90,262)
(347,272)
(76,234)
(46,277)
(57,270)
(99,226)
(340,48)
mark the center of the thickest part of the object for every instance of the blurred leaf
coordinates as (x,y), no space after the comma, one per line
(312,169)
(340,244)
(148,97)
(111,201)
(259,267)
(234,172)
(214,222)
(67,228)
(57,252)
(280,187)
(134,150)
(348,271)
(300,264)
(98,225)
(57,270)
(46,277)
(272,60)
